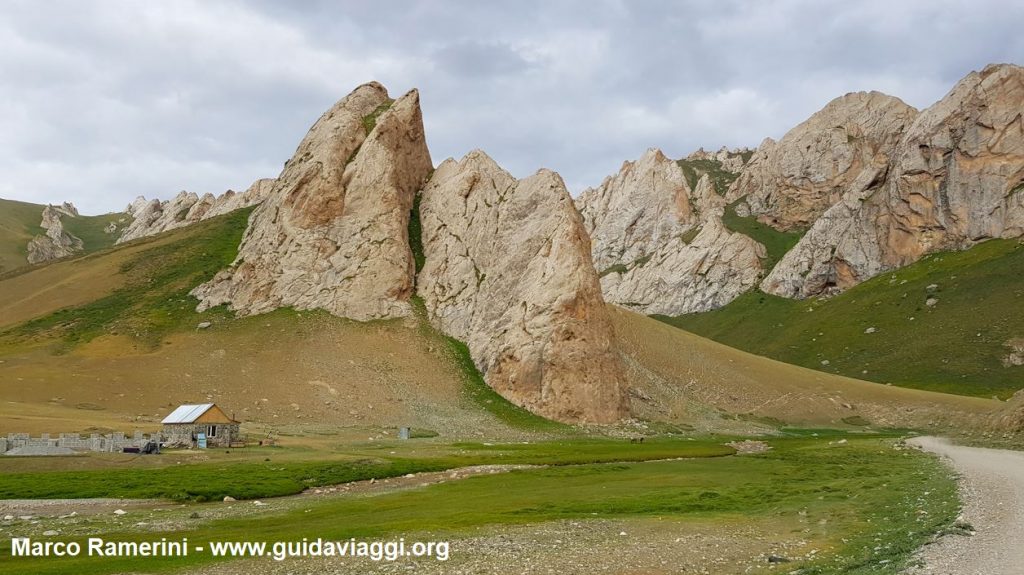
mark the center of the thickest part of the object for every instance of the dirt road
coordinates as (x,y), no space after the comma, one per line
(992,488)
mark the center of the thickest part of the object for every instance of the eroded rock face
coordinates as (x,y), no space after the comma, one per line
(333,231)
(151,217)
(508,271)
(57,242)
(790,183)
(660,247)
(956,178)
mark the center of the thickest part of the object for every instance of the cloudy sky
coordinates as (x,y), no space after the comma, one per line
(103,101)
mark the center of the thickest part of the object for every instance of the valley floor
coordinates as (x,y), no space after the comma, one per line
(824,502)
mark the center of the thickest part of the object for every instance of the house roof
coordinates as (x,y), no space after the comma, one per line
(187,413)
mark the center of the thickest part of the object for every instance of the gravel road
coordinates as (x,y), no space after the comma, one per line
(992,488)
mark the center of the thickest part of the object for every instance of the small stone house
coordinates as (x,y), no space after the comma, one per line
(183,426)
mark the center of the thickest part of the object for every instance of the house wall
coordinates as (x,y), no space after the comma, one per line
(184,434)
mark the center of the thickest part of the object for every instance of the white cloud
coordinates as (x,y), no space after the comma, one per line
(116,98)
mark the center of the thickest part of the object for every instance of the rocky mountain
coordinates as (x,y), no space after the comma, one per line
(790,183)
(508,271)
(506,263)
(151,217)
(954,179)
(660,244)
(333,231)
(56,243)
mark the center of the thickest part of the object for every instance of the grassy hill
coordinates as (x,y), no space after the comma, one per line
(884,330)
(684,378)
(19,223)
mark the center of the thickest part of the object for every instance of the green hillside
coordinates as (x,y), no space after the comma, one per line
(776,243)
(90,229)
(956,345)
(19,223)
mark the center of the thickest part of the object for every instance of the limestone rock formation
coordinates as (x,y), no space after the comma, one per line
(732,161)
(56,243)
(508,271)
(151,217)
(660,247)
(790,183)
(956,178)
(333,231)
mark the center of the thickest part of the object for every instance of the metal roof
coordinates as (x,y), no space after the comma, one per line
(187,413)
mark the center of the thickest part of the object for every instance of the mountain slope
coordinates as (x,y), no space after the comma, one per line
(129,350)
(676,375)
(20,222)
(958,344)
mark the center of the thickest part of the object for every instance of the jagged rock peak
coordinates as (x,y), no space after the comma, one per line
(151,217)
(508,271)
(333,232)
(660,246)
(790,183)
(56,243)
(956,178)
(640,207)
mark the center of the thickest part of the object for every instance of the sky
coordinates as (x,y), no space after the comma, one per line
(104,101)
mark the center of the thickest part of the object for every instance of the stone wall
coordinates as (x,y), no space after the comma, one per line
(66,443)
(184,434)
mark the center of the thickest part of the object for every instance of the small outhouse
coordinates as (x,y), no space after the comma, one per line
(184,425)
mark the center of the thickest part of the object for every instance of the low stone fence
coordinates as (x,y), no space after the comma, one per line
(66,443)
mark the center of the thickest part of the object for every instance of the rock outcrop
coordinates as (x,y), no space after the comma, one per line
(660,246)
(151,217)
(508,271)
(729,160)
(333,232)
(56,243)
(955,178)
(790,183)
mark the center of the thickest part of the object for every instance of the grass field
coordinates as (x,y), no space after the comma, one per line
(270,472)
(864,506)
(954,346)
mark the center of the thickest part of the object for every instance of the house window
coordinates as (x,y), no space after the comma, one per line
(211,431)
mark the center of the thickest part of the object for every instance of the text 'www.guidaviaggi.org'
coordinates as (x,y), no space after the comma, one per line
(377,550)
